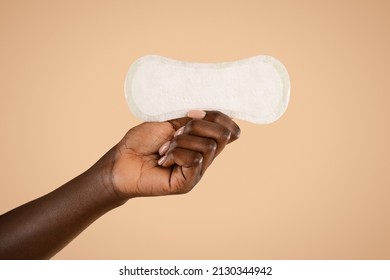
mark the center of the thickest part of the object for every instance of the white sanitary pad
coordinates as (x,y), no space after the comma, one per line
(255,89)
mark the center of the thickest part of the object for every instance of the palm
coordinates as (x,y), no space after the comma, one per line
(140,174)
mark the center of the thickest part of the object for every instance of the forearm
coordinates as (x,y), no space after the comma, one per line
(40,228)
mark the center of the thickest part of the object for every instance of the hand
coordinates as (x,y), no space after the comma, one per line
(169,157)
(152,159)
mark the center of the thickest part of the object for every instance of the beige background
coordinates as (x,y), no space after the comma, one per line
(313,185)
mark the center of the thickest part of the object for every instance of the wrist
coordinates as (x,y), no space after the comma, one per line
(102,172)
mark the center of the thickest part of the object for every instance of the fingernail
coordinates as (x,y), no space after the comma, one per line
(161,160)
(164,148)
(196,114)
(179,131)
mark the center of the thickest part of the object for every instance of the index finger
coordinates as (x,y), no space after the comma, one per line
(219,118)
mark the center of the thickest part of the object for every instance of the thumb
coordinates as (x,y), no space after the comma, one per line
(193,114)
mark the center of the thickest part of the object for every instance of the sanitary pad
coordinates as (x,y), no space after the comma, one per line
(255,89)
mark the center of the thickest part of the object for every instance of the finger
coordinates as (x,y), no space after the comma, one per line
(177,123)
(213,116)
(226,121)
(201,128)
(181,157)
(187,168)
(206,146)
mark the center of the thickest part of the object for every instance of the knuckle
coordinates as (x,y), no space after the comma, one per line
(172,152)
(225,134)
(211,145)
(190,124)
(172,148)
(212,114)
(198,159)
(215,117)
(236,132)
(218,117)
(177,141)
(193,124)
